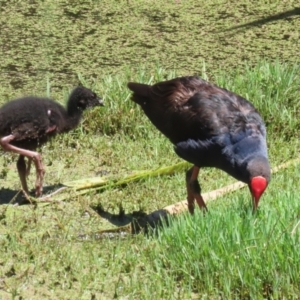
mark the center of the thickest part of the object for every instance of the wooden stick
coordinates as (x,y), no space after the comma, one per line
(179,207)
(210,196)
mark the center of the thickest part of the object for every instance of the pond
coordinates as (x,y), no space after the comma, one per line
(54,41)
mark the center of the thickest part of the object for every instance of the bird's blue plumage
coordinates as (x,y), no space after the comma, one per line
(208,125)
(228,152)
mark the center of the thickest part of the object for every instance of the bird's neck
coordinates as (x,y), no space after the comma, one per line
(244,169)
(73,118)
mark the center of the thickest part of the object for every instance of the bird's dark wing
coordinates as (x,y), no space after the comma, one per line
(28,131)
(191,108)
(27,118)
(202,153)
(208,125)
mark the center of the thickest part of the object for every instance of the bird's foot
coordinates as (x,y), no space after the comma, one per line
(194,190)
(38,190)
(201,202)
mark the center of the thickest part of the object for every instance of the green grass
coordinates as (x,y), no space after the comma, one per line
(58,250)
(228,253)
(234,254)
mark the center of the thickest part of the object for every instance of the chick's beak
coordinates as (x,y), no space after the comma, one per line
(100,102)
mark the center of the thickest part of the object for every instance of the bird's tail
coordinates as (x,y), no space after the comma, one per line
(140,91)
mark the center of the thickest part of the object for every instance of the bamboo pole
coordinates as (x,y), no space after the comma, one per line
(155,217)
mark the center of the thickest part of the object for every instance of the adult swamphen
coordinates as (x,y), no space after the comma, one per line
(209,127)
(29,122)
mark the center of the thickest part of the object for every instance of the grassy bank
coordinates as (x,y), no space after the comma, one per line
(56,251)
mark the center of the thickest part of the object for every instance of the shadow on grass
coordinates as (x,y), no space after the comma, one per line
(9,196)
(121,218)
(132,223)
(260,22)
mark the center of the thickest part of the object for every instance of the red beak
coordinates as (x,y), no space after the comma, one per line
(257,186)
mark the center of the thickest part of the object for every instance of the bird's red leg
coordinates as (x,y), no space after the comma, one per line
(30,159)
(28,166)
(194,190)
(40,171)
(35,156)
(190,194)
(22,170)
(197,189)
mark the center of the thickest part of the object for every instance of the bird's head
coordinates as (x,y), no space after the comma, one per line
(260,175)
(82,98)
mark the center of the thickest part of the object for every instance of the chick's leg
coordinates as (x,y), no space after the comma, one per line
(31,155)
